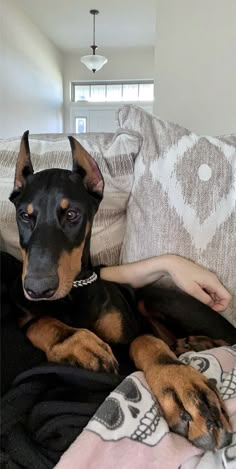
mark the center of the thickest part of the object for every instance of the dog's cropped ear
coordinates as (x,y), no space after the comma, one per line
(23,165)
(85,165)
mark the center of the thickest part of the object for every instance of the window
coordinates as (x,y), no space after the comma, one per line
(82,93)
(98,93)
(111,91)
(114,92)
(130,92)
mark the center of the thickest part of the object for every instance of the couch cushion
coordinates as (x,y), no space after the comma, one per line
(114,153)
(183,200)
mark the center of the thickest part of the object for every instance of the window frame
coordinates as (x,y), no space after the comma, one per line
(106,83)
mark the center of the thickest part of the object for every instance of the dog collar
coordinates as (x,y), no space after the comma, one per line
(86,281)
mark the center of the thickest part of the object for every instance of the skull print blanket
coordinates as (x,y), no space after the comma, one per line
(128,431)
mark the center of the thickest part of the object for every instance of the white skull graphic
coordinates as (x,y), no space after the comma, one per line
(130,411)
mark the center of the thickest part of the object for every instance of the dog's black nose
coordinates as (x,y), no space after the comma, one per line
(45,294)
(40,288)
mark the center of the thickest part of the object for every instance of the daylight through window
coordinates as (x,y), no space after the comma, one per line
(112,91)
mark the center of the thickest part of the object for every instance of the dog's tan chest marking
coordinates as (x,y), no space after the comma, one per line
(109,326)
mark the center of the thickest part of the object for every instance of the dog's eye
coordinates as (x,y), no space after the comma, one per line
(72,215)
(25,217)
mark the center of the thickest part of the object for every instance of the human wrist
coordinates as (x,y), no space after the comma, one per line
(167,262)
(160,265)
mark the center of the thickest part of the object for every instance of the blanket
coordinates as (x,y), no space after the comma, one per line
(129,432)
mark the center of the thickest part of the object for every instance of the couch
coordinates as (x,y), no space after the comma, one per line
(167,190)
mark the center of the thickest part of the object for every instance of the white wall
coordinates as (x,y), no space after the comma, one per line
(195,64)
(123,64)
(31,90)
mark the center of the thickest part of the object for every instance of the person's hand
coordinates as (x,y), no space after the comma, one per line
(190,277)
(199,283)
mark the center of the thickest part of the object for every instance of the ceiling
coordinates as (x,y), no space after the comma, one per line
(68,23)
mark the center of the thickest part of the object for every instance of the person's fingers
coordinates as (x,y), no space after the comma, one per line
(202,285)
(197,292)
(218,307)
(217,300)
(220,296)
(214,285)
(220,303)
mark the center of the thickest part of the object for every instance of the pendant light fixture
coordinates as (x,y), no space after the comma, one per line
(93,62)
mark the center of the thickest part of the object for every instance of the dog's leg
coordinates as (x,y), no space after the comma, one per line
(190,403)
(65,344)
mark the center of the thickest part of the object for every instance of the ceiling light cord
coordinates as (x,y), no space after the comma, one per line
(94,62)
(94,47)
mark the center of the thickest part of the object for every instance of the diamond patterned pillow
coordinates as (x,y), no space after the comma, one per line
(183,199)
(114,153)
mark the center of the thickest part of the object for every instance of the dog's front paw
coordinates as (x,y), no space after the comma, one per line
(190,404)
(85,349)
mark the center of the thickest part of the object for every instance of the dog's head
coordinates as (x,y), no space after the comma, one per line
(54,213)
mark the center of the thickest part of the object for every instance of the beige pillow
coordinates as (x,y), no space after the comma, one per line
(114,153)
(183,200)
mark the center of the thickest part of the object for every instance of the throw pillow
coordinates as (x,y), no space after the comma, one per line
(183,199)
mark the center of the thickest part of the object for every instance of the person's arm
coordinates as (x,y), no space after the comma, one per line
(190,277)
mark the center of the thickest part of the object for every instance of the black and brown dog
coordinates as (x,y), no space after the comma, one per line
(54,211)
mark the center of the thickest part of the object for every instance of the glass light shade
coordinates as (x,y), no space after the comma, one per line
(93,62)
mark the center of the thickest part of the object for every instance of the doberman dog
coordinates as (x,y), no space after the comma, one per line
(54,211)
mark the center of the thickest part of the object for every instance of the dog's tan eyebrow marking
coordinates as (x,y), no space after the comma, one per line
(64,203)
(30,209)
